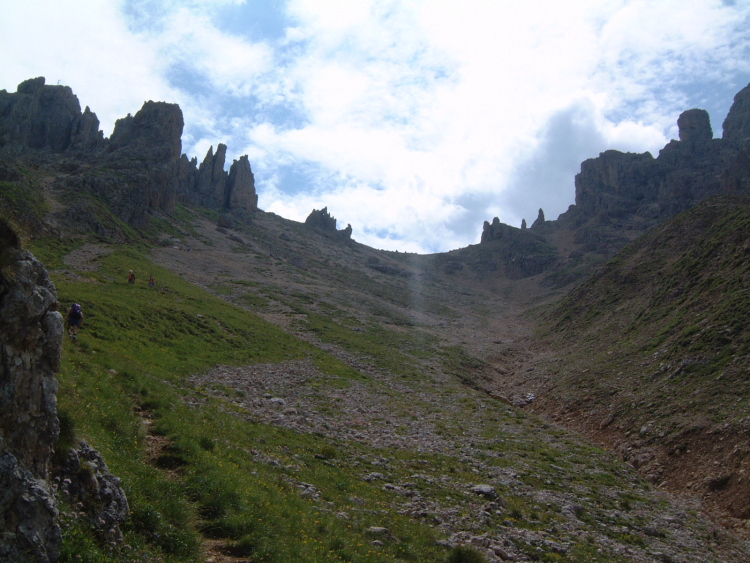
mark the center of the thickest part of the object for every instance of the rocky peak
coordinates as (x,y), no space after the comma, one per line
(153,134)
(324,221)
(46,117)
(145,150)
(240,187)
(85,133)
(31,86)
(695,127)
(539,219)
(737,124)
(209,185)
(210,178)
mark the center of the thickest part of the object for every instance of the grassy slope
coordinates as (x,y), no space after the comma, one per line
(138,346)
(657,345)
(132,359)
(224,476)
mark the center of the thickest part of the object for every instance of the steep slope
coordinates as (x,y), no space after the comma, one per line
(349,436)
(312,387)
(651,356)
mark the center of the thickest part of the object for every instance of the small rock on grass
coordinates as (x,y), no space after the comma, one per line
(487,491)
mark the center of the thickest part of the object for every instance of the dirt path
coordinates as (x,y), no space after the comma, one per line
(159,454)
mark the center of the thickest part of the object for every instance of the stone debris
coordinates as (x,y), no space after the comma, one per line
(392,415)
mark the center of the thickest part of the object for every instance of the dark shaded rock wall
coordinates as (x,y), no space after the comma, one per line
(31,333)
(325,222)
(144,150)
(210,185)
(38,116)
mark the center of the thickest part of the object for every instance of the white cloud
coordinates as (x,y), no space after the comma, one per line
(414,121)
(511,67)
(230,64)
(85,45)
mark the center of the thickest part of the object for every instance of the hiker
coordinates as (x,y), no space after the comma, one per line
(131,277)
(74,320)
(151,281)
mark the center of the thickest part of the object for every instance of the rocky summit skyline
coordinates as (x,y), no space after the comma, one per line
(412,123)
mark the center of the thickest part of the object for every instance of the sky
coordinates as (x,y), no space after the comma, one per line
(414,121)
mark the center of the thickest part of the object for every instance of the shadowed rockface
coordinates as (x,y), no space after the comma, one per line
(31,335)
(136,172)
(621,195)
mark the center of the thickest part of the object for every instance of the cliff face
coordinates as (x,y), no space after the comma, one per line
(46,117)
(31,332)
(240,187)
(145,149)
(736,126)
(619,195)
(137,171)
(649,190)
(646,189)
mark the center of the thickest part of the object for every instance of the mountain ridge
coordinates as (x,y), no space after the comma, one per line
(369,365)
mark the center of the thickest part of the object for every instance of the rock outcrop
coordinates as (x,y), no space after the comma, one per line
(694,127)
(209,185)
(46,117)
(139,170)
(618,195)
(539,219)
(86,479)
(211,178)
(240,187)
(521,252)
(321,220)
(145,150)
(686,172)
(325,222)
(736,126)
(31,336)
(31,333)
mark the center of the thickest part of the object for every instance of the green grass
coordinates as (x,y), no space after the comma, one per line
(23,204)
(223,475)
(137,347)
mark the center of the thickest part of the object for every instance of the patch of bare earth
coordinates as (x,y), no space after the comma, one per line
(86,259)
